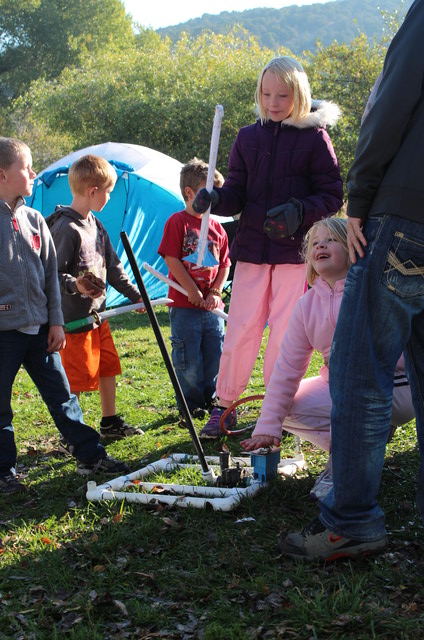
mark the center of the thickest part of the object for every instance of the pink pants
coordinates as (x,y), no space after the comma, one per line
(261,294)
(309,416)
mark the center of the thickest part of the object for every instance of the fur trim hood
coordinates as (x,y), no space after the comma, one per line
(322,114)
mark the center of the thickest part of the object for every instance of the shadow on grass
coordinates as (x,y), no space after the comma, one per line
(117,568)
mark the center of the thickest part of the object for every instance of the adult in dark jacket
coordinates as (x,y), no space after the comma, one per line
(282,176)
(382,312)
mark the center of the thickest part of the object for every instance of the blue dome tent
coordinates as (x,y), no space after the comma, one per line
(147,192)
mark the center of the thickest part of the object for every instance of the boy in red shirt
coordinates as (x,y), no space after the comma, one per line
(196,335)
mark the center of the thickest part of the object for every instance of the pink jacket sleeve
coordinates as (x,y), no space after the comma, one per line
(289,369)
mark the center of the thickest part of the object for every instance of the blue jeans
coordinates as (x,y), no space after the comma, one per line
(381,316)
(197,337)
(49,377)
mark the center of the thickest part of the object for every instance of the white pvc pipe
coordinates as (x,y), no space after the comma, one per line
(110,313)
(178,287)
(218,498)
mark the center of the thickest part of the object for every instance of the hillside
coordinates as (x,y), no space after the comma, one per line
(299,28)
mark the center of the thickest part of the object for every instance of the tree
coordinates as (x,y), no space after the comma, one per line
(163,96)
(39,38)
(345,75)
(159,95)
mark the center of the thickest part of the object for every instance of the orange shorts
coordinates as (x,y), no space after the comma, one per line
(89,356)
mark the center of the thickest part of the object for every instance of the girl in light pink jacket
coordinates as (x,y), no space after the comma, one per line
(300,405)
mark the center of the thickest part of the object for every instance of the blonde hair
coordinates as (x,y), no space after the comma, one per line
(10,150)
(291,72)
(91,171)
(194,173)
(336,227)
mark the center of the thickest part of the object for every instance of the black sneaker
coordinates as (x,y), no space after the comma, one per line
(107,466)
(118,430)
(198,413)
(9,484)
(316,542)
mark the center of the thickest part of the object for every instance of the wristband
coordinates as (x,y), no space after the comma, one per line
(216,292)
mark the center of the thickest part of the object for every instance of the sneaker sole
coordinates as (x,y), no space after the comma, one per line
(102,472)
(11,492)
(359,551)
(207,436)
(119,436)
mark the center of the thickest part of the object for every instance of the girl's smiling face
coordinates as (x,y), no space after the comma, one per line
(277,97)
(328,258)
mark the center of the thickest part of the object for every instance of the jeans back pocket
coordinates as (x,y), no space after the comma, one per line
(404,269)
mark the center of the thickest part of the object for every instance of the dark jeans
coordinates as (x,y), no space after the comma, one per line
(49,376)
(197,337)
(381,316)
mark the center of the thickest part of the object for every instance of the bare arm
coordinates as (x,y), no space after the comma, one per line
(182,276)
(213,299)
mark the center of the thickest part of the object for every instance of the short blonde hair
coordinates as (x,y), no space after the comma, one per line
(194,173)
(11,149)
(91,171)
(336,227)
(291,72)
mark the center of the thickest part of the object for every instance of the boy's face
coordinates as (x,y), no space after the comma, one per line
(100,197)
(18,179)
(190,195)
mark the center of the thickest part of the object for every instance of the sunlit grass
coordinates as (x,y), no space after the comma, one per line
(71,569)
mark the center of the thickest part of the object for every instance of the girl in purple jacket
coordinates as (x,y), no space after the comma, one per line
(303,406)
(283,176)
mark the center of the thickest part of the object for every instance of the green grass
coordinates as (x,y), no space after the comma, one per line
(70,569)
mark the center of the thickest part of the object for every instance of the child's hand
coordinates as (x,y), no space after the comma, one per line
(56,339)
(195,297)
(212,301)
(142,309)
(87,288)
(259,442)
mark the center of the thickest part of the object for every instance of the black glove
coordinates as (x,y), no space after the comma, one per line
(284,220)
(204,198)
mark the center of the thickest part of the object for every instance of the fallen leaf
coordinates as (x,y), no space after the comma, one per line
(171,523)
(158,489)
(122,608)
(98,568)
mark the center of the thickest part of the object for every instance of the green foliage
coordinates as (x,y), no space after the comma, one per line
(345,75)
(163,95)
(160,96)
(39,38)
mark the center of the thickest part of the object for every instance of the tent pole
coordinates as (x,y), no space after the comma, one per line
(159,337)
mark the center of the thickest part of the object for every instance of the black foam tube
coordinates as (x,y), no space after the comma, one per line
(161,342)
